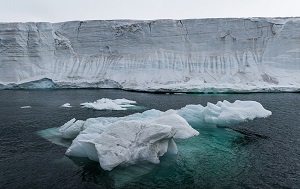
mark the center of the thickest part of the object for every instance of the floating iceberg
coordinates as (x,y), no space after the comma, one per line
(66,105)
(121,141)
(24,107)
(108,104)
(224,113)
(146,136)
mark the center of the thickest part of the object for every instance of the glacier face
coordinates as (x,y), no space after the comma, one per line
(199,55)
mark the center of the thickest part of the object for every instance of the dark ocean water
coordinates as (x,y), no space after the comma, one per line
(266,155)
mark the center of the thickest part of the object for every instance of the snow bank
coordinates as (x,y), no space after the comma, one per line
(224,113)
(108,104)
(119,141)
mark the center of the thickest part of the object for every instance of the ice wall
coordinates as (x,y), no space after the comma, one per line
(230,54)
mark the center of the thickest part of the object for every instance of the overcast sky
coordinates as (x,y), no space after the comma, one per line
(65,10)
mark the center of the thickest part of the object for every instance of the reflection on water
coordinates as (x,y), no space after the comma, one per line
(90,171)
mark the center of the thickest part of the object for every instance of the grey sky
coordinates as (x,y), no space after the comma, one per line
(64,10)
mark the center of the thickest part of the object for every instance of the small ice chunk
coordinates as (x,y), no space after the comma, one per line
(108,104)
(66,105)
(224,113)
(124,101)
(71,129)
(23,107)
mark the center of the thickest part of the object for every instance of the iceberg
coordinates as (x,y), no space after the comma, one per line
(24,107)
(224,113)
(66,105)
(108,104)
(123,141)
(193,55)
(114,141)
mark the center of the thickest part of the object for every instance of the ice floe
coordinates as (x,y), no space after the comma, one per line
(120,141)
(144,137)
(109,104)
(66,105)
(224,113)
(24,107)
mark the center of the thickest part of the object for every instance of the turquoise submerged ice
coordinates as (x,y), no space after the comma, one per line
(147,136)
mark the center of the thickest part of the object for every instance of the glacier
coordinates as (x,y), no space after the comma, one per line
(114,141)
(193,55)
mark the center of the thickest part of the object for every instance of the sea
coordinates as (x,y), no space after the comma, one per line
(262,153)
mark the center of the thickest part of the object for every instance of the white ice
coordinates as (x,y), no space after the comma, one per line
(66,105)
(146,136)
(119,141)
(109,104)
(23,107)
(71,129)
(224,113)
(198,55)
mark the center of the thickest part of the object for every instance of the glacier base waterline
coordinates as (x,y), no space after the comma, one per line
(194,55)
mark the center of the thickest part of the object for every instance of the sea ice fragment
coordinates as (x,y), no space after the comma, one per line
(109,104)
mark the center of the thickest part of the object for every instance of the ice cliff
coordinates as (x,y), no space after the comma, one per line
(200,55)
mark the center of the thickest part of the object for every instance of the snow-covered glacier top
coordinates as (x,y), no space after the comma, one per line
(199,55)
